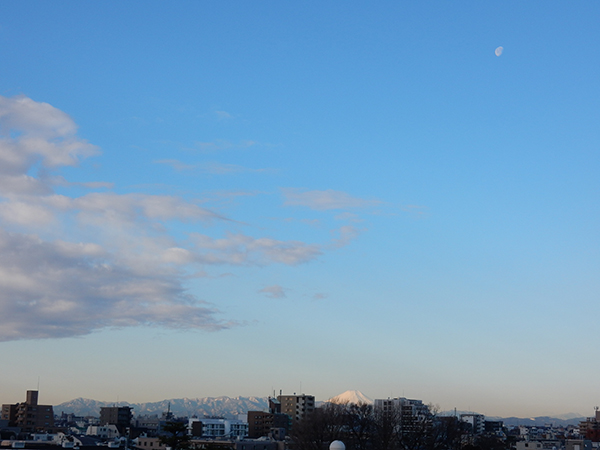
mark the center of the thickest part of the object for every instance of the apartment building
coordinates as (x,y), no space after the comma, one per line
(590,428)
(408,412)
(29,416)
(217,428)
(297,407)
(120,416)
(476,422)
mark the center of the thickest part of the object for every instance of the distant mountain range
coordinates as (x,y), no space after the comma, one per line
(231,407)
(539,421)
(209,406)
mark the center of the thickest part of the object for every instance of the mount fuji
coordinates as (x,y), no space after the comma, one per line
(355,397)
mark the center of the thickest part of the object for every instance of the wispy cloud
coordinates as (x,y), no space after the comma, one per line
(310,222)
(348,216)
(235,194)
(415,210)
(176,164)
(109,209)
(223,115)
(240,249)
(213,168)
(274,291)
(220,144)
(346,234)
(325,200)
(216,168)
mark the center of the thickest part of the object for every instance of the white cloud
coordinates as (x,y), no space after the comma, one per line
(61,181)
(26,213)
(60,289)
(239,249)
(31,133)
(347,234)
(324,200)
(348,216)
(72,265)
(128,275)
(274,291)
(178,255)
(105,208)
(94,185)
(22,184)
(133,207)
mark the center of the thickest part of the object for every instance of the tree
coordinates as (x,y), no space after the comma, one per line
(415,431)
(487,442)
(445,434)
(176,436)
(359,426)
(427,430)
(319,429)
(386,428)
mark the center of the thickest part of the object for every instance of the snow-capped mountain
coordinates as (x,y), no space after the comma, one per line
(355,397)
(231,407)
(209,406)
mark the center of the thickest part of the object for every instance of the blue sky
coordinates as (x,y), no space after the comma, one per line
(202,199)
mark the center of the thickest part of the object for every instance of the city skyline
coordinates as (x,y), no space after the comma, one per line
(200,200)
(230,407)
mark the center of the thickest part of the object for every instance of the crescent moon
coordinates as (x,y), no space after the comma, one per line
(498,51)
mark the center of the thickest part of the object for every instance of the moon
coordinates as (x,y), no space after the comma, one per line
(498,51)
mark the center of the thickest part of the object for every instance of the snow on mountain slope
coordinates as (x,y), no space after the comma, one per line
(209,406)
(355,397)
